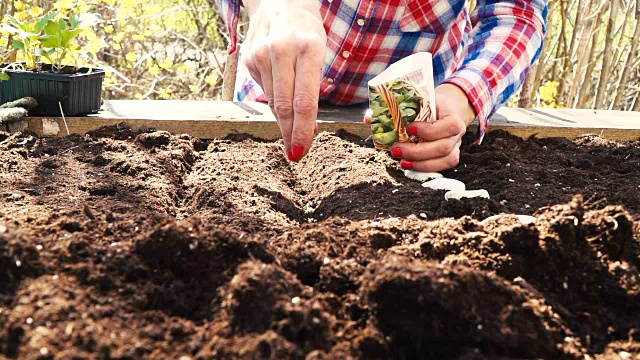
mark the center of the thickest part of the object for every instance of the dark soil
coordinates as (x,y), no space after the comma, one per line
(126,245)
(44,68)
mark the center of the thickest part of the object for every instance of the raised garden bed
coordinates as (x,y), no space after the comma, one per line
(126,245)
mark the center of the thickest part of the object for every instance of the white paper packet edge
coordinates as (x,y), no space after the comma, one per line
(402,69)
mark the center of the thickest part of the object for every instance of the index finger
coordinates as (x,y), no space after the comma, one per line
(305,100)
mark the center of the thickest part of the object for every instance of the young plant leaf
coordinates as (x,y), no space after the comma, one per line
(18,44)
(81,21)
(4,76)
(43,22)
(66,36)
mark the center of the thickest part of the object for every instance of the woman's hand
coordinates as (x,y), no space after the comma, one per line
(285,47)
(442,139)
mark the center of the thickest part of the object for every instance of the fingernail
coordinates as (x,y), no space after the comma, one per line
(298,151)
(396,152)
(412,130)
(367,116)
(290,155)
(407,165)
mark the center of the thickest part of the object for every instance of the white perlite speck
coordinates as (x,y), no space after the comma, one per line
(422,176)
(525,219)
(445,184)
(457,195)
(624,355)
(295,300)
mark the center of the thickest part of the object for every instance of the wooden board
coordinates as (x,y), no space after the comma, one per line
(215,119)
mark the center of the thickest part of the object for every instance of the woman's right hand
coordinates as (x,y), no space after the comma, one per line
(284,53)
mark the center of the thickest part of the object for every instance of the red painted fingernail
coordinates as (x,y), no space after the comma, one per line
(396,152)
(412,130)
(290,155)
(407,165)
(298,151)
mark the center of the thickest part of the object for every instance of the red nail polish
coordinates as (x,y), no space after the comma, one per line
(407,165)
(396,152)
(290,155)
(298,151)
(412,130)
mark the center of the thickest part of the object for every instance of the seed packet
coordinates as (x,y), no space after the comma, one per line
(400,95)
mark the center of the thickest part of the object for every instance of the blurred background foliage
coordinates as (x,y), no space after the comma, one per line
(176,49)
(162,49)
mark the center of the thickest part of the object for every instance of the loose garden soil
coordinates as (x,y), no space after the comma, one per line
(123,244)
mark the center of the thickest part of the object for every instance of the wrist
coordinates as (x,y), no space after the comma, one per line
(464,106)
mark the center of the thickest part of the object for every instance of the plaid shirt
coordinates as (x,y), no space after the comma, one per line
(487,53)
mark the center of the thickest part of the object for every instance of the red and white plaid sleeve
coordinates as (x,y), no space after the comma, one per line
(505,40)
(230,13)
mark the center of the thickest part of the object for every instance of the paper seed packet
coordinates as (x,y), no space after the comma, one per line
(400,95)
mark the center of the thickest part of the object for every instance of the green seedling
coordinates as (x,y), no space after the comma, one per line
(58,39)
(54,40)
(26,36)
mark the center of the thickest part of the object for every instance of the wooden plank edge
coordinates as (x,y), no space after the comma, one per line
(49,127)
(567,132)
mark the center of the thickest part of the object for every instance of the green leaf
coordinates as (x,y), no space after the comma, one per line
(17,23)
(44,52)
(4,76)
(18,44)
(52,28)
(67,35)
(80,21)
(18,32)
(43,22)
(50,41)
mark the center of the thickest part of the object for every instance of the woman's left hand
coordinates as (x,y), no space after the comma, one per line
(440,149)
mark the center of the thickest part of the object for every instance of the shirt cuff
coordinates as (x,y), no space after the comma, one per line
(230,11)
(473,82)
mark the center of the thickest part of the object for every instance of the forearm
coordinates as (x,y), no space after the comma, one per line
(505,41)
